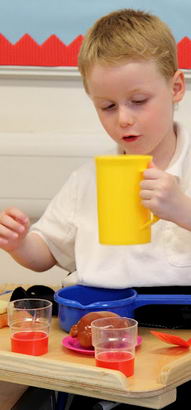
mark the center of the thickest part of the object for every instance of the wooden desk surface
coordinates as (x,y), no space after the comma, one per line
(159,369)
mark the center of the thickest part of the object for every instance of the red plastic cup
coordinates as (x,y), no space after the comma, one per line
(114,340)
(29,321)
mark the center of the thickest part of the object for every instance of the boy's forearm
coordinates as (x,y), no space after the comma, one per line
(33,253)
(182,216)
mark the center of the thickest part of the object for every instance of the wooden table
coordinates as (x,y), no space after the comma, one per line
(159,369)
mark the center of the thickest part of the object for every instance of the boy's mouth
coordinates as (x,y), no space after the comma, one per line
(130,138)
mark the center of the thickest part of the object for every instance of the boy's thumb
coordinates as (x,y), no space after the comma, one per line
(152,165)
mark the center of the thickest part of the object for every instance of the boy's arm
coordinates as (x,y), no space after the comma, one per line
(28,249)
(33,253)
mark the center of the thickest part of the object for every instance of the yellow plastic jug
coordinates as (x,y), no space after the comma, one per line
(122,219)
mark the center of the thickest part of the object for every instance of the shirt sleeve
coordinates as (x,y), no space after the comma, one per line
(57,225)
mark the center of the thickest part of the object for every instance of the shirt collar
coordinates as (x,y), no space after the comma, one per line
(183,140)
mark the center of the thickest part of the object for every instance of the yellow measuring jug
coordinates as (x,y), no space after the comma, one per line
(122,219)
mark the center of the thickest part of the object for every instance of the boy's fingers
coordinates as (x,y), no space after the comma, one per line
(9,224)
(16,215)
(10,227)
(3,242)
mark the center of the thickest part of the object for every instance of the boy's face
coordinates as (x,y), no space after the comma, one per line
(135,104)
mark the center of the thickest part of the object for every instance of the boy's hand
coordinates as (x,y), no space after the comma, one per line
(161,193)
(14,226)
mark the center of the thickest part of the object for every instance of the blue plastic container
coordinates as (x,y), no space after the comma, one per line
(75,301)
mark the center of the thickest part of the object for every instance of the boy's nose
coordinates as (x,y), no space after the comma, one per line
(125,117)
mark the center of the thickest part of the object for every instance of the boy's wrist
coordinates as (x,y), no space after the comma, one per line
(19,248)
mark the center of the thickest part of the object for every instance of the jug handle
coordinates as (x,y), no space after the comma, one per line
(152,221)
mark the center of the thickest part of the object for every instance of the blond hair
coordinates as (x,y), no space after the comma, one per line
(128,34)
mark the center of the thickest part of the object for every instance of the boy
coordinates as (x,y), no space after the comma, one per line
(129,68)
(128,64)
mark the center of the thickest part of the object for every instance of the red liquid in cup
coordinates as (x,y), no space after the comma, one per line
(33,343)
(123,361)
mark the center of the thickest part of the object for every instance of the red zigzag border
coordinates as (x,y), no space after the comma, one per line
(53,52)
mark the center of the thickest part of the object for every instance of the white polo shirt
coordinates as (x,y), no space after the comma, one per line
(69,227)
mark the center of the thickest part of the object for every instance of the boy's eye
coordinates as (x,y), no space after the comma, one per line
(108,107)
(139,102)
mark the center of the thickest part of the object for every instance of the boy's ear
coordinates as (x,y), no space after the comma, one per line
(178,86)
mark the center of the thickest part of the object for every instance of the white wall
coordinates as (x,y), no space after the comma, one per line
(48,127)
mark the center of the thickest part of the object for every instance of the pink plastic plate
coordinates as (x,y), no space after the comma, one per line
(73,344)
(139,340)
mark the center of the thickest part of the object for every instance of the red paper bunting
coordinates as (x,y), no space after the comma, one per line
(27,52)
(184,53)
(53,52)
